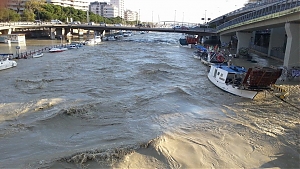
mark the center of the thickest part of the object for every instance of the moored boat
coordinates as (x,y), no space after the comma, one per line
(189,41)
(5,63)
(241,82)
(57,49)
(37,55)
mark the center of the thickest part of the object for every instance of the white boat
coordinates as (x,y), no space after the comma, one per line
(89,42)
(73,46)
(37,55)
(57,49)
(110,38)
(6,63)
(241,82)
(96,40)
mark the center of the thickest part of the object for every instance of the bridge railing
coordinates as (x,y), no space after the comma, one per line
(278,7)
(248,7)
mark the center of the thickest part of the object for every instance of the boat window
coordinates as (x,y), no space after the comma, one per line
(218,73)
(221,75)
(215,73)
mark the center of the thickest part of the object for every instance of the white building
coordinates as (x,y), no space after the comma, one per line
(130,15)
(77,4)
(110,11)
(120,5)
(98,7)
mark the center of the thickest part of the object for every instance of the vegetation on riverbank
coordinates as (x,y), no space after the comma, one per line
(40,10)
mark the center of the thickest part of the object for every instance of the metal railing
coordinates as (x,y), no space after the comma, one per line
(248,7)
(275,8)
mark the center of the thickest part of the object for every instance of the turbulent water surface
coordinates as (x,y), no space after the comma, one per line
(142,102)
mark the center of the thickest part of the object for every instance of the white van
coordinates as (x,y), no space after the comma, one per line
(56,21)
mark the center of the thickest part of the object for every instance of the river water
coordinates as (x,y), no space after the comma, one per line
(142,102)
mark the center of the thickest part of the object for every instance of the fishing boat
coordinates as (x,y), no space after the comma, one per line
(189,41)
(5,63)
(242,82)
(37,54)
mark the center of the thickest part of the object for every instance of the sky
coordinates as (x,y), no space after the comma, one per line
(182,11)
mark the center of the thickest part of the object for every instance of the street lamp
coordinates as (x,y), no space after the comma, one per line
(139,15)
(175,18)
(152,19)
(182,18)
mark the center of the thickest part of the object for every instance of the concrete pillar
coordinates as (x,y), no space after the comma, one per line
(225,39)
(7,31)
(277,37)
(52,33)
(244,39)
(292,51)
(59,32)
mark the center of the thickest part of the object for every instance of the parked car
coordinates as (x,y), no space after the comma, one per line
(102,24)
(177,27)
(76,22)
(184,28)
(118,24)
(56,21)
(91,23)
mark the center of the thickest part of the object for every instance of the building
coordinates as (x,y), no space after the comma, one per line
(98,7)
(77,4)
(110,11)
(17,5)
(120,5)
(130,15)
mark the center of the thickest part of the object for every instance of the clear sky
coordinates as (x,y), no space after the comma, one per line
(182,11)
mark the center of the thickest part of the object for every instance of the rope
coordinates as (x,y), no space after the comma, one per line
(284,100)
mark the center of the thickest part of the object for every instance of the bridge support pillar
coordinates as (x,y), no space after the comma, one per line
(292,51)
(52,33)
(277,39)
(244,39)
(225,39)
(59,32)
(7,31)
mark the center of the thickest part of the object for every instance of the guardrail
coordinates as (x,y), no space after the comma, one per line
(278,7)
(248,7)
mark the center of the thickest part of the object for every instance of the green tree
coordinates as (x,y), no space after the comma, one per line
(28,15)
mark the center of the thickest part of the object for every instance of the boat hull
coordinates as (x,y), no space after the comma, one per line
(37,55)
(233,90)
(7,64)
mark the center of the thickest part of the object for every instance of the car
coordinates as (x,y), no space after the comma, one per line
(56,21)
(177,27)
(184,28)
(37,21)
(118,24)
(102,24)
(91,23)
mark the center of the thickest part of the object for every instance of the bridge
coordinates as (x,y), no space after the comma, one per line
(6,28)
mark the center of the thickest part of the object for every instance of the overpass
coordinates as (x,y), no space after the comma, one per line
(7,28)
(281,20)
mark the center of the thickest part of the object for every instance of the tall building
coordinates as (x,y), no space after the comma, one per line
(77,4)
(110,11)
(17,5)
(120,5)
(98,7)
(130,15)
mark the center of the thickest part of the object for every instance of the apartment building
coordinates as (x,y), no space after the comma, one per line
(16,5)
(77,4)
(120,5)
(130,15)
(98,7)
(110,11)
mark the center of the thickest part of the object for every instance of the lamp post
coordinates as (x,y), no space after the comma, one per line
(152,19)
(175,18)
(139,15)
(182,18)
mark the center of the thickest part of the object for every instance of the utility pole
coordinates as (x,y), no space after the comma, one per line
(175,18)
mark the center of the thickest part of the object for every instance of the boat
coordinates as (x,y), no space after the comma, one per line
(52,50)
(242,82)
(5,63)
(73,46)
(37,54)
(96,40)
(189,41)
